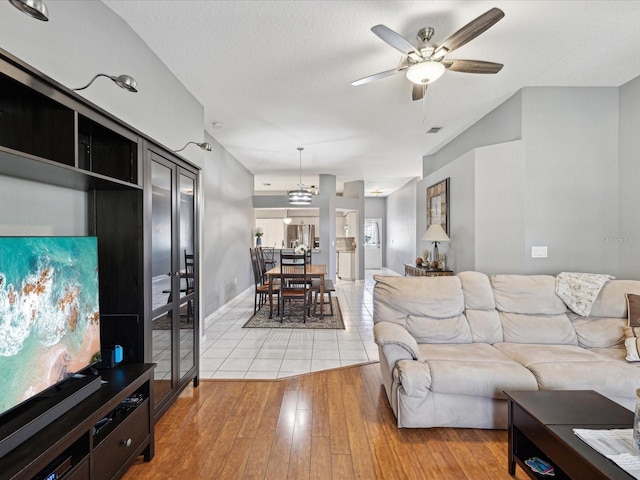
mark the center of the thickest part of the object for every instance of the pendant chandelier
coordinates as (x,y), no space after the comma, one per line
(301,196)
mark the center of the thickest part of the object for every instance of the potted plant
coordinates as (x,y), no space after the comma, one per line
(258,233)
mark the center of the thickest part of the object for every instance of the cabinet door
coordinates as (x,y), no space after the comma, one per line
(188,280)
(162,276)
(174,279)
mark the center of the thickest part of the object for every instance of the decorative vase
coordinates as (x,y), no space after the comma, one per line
(258,241)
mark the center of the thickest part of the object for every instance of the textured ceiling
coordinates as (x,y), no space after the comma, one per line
(277,74)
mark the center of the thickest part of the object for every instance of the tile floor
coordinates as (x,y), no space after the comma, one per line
(230,351)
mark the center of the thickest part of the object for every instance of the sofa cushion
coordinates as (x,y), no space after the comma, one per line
(430,308)
(567,367)
(439,330)
(485,326)
(478,294)
(480,307)
(475,369)
(598,332)
(611,301)
(527,294)
(435,297)
(547,329)
(616,353)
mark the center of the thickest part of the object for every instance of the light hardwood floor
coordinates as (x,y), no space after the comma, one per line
(335,424)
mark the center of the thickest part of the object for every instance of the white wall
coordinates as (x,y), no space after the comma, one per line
(28,209)
(226,229)
(557,187)
(628,238)
(401,227)
(503,124)
(571,202)
(500,185)
(460,250)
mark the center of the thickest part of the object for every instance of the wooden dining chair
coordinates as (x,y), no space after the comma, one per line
(261,288)
(268,257)
(190,278)
(294,283)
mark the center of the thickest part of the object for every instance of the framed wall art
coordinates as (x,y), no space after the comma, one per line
(438,205)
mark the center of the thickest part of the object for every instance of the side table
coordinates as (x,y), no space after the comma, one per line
(413,271)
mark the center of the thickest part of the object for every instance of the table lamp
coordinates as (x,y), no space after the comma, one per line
(435,233)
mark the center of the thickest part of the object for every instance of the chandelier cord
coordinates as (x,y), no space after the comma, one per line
(300,150)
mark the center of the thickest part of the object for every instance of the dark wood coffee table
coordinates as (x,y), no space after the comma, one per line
(541,424)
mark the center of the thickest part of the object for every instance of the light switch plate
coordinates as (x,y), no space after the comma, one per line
(539,252)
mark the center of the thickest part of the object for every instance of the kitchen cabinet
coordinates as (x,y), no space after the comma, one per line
(347,265)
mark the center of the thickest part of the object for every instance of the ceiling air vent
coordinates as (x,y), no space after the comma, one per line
(434,129)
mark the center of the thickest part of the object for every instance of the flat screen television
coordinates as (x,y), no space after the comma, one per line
(49,313)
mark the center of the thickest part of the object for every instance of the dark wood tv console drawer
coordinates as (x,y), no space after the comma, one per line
(122,444)
(80,472)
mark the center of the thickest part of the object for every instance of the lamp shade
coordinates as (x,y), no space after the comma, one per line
(127,82)
(34,8)
(435,233)
(425,72)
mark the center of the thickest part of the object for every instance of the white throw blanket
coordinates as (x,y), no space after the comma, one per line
(579,290)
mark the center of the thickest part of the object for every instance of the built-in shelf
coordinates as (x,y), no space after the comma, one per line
(34,124)
(30,167)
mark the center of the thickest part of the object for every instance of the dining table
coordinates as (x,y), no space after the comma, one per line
(313,271)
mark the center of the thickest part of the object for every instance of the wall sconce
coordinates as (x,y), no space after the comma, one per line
(34,8)
(204,146)
(125,82)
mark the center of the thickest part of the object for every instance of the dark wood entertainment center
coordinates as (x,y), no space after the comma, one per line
(51,135)
(94,453)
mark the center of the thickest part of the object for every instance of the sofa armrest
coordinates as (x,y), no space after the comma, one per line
(414,378)
(388,333)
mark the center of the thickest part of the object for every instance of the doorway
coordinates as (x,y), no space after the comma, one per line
(372,243)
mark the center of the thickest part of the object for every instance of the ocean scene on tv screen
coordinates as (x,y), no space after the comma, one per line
(49,315)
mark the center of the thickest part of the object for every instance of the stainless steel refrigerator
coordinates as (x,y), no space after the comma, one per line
(300,235)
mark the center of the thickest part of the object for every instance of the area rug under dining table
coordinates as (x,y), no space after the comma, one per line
(261,318)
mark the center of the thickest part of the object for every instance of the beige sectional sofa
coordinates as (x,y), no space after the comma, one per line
(449,346)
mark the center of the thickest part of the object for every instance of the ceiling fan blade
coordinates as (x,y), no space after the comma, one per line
(377,76)
(472,66)
(470,31)
(418,91)
(395,40)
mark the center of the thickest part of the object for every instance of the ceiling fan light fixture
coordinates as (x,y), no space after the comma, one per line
(425,73)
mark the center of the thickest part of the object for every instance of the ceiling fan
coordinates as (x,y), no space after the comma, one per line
(426,63)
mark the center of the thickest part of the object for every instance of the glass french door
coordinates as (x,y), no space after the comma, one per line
(372,243)
(173,277)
